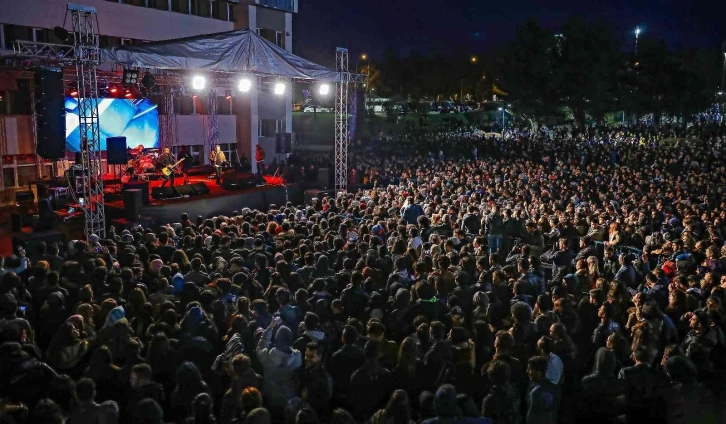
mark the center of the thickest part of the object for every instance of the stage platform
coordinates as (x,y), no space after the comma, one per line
(218,201)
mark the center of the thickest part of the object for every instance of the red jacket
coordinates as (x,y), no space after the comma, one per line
(260,154)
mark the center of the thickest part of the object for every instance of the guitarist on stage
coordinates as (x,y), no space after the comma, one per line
(218,159)
(167,160)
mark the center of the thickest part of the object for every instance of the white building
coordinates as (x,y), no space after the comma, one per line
(243,122)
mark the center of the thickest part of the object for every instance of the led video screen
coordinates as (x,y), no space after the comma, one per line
(135,119)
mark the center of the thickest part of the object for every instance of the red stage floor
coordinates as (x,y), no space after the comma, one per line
(214,190)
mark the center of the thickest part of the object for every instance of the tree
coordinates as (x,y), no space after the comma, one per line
(526,72)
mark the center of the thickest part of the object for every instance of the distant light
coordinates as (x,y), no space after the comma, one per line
(637,30)
(500,109)
(473,59)
(199,82)
(280,88)
(324,89)
(720,93)
(364,56)
(129,94)
(244,85)
(74,93)
(228,95)
(113,90)
(194,96)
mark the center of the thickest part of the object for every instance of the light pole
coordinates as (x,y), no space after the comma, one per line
(637,33)
(503,125)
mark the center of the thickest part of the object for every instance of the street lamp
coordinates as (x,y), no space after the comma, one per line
(637,33)
(473,59)
(502,109)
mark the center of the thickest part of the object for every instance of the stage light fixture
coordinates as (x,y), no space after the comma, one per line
(244,85)
(128,94)
(113,90)
(148,81)
(131,76)
(199,82)
(74,93)
(324,89)
(280,88)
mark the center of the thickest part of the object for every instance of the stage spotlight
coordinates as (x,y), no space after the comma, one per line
(324,89)
(280,88)
(128,94)
(244,85)
(199,82)
(131,76)
(73,92)
(113,91)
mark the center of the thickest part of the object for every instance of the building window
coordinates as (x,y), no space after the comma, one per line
(159,4)
(2,38)
(126,41)
(268,127)
(39,35)
(230,151)
(180,6)
(230,12)
(9,176)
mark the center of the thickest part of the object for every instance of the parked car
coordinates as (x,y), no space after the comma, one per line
(316,108)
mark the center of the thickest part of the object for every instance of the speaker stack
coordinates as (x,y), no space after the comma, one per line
(50,113)
(132,204)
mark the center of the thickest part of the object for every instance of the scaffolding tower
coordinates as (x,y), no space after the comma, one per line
(212,121)
(167,120)
(342,131)
(86,59)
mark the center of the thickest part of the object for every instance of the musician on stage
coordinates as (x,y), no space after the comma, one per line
(184,154)
(167,160)
(218,159)
(260,159)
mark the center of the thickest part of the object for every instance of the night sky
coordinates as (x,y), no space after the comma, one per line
(480,26)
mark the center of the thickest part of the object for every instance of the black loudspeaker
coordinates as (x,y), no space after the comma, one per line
(232,182)
(185,190)
(79,158)
(50,113)
(200,188)
(132,204)
(139,185)
(283,143)
(116,151)
(161,193)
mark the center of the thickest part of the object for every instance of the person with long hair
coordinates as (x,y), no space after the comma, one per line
(66,349)
(189,384)
(397,410)
(105,374)
(202,410)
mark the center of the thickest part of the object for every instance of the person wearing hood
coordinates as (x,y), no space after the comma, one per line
(600,390)
(312,333)
(280,363)
(447,409)
(116,331)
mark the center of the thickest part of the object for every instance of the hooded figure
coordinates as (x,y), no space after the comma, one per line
(601,389)
(114,316)
(280,363)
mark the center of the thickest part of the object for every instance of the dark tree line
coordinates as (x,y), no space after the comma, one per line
(585,68)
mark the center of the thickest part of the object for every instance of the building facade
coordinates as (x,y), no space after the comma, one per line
(243,120)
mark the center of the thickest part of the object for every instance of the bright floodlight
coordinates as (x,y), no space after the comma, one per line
(280,88)
(324,89)
(637,30)
(244,85)
(499,109)
(199,82)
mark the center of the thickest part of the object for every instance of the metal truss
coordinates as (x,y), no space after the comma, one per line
(86,59)
(167,119)
(212,121)
(3,148)
(55,53)
(342,132)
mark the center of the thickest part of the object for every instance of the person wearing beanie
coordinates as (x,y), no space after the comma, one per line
(280,363)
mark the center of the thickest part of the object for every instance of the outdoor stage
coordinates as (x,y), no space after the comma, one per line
(218,201)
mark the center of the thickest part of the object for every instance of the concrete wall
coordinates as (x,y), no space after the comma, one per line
(114,19)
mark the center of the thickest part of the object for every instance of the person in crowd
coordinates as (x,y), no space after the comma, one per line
(440,284)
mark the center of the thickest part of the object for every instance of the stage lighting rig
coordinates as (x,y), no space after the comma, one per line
(244,85)
(199,82)
(324,89)
(131,76)
(279,88)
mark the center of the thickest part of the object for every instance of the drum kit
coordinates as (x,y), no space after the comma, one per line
(141,163)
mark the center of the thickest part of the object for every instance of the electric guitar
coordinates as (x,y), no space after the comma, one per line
(168,170)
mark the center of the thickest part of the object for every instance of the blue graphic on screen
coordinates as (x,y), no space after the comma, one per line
(137,120)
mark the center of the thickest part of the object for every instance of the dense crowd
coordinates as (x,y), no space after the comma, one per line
(536,278)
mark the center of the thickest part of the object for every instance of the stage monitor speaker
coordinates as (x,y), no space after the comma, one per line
(116,151)
(324,178)
(233,182)
(132,204)
(161,193)
(140,185)
(200,188)
(50,113)
(185,190)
